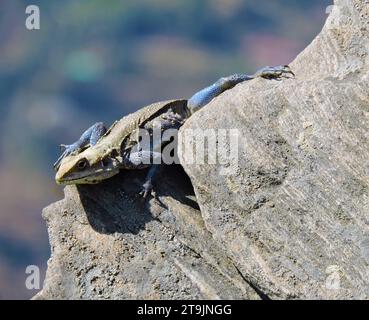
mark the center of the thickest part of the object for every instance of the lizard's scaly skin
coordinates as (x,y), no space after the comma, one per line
(99,155)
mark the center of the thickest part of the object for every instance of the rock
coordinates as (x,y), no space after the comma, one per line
(293,213)
(288,220)
(108,244)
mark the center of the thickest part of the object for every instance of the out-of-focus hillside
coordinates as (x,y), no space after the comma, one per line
(97,60)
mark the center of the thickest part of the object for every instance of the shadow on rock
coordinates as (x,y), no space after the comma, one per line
(114,205)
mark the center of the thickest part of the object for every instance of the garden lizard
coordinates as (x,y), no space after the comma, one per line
(100,154)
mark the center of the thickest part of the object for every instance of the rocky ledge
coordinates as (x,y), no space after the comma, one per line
(290,220)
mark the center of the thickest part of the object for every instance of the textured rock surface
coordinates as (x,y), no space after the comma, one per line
(294,213)
(106,243)
(290,220)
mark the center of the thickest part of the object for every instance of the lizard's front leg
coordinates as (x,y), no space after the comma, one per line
(141,160)
(150,177)
(90,136)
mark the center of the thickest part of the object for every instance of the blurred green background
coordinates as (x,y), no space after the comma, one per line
(97,60)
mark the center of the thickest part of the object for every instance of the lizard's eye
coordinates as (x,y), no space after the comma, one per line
(105,162)
(81,164)
(114,153)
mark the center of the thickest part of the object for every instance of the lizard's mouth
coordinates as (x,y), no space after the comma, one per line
(86,179)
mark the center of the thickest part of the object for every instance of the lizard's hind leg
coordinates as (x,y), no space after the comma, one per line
(204,96)
(90,136)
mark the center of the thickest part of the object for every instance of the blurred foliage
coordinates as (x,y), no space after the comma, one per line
(97,60)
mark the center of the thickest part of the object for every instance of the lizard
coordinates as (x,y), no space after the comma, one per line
(100,154)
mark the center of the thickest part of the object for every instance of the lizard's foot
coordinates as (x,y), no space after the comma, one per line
(90,137)
(275,72)
(146,189)
(67,150)
(148,186)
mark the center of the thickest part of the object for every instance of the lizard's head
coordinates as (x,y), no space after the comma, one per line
(88,167)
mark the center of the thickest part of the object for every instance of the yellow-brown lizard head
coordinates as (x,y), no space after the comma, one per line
(88,167)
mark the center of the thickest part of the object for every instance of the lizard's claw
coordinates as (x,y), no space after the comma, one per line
(275,72)
(67,150)
(57,163)
(146,190)
(63,147)
(286,71)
